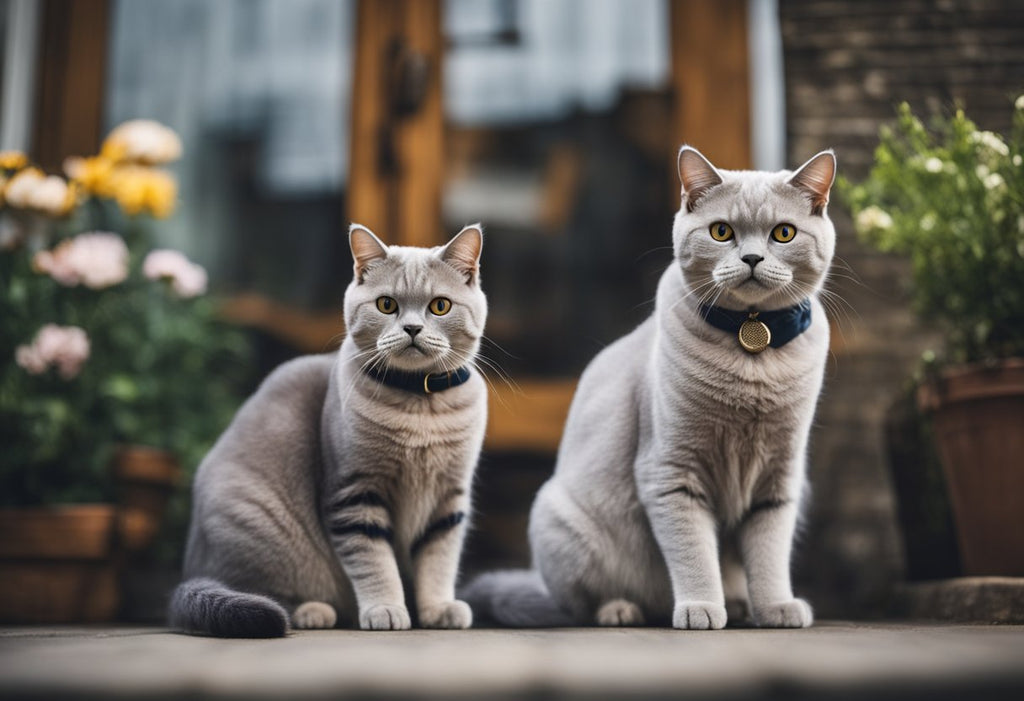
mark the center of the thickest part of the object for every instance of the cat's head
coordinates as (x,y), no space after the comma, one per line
(416,309)
(752,239)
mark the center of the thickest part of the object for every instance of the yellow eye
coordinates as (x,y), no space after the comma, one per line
(387,305)
(784,233)
(720,231)
(439,306)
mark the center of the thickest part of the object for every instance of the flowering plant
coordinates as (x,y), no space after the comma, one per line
(105,340)
(952,198)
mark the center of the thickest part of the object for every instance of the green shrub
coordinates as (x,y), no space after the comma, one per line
(952,199)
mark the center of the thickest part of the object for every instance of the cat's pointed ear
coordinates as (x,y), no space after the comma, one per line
(815,178)
(367,249)
(696,174)
(463,251)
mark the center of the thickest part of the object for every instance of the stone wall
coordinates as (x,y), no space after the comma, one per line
(848,63)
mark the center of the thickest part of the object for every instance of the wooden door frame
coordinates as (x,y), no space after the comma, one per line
(70,80)
(396,169)
(711,80)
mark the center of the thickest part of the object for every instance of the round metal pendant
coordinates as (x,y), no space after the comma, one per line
(754,336)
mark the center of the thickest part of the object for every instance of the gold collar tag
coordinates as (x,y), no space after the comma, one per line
(754,335)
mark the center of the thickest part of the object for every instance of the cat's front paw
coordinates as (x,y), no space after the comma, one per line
(795,613)
(699,615)
(385,617)
(451,614)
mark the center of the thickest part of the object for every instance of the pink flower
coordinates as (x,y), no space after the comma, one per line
(96,259)
(63,347)
(187,279)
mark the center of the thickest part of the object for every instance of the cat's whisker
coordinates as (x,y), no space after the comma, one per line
(334,341)
(834,310)
(854,277)
(500,372)
(650,251)
(494,343)
(490,384)
(697,288)
(374,357)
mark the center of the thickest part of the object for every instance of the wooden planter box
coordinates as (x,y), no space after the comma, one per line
(57,564)
(62,564)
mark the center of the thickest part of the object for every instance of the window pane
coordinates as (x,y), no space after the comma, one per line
(259,91)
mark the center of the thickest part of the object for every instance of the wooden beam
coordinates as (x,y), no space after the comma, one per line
(711,79)
(305,331)
(397,155)
(529,417)
(71,84)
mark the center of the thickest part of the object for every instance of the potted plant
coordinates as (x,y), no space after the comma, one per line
(952,199)
(114,370)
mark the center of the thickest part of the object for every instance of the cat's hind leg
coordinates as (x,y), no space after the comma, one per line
(314,614)
(577,563)
(619,612)
(734,584)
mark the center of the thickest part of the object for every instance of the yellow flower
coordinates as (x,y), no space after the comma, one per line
(91,174)
(70,200)
(139,189)
(161,194)
(13,160)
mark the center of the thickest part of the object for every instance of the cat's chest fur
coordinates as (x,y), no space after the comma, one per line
(413,449)
(739,420)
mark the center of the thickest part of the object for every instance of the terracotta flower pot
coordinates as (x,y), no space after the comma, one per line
(978,415)
(145,479)
(56,564)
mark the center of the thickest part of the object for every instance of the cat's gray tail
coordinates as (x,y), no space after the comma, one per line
(514,598)
(204,606)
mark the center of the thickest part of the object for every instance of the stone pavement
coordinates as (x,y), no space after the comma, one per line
(832,660)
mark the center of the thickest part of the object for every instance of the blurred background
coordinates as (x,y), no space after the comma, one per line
(556,124)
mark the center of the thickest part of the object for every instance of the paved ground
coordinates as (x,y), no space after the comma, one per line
(831,660)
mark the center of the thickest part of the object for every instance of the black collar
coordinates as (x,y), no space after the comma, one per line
(784,324)
(423,383)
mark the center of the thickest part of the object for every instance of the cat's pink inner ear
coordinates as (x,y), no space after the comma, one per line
(366,249)
(463,251)
(696,174)
(815,178)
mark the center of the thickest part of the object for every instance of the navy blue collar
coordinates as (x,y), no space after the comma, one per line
(784,324)
(423,383)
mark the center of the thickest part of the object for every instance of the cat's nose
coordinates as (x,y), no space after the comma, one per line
(412,330)
(752,259)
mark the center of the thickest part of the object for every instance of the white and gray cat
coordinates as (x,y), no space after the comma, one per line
(339,494)
(681,471)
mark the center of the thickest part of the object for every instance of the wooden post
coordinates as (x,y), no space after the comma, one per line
(397,122)
(711,79)
(72,67)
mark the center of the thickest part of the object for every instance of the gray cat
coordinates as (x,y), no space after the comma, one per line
(681,471)
(341,489)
